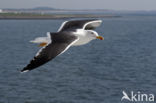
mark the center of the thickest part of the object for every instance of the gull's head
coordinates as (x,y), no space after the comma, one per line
(93,35)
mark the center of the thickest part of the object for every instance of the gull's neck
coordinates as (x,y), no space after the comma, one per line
(80,32)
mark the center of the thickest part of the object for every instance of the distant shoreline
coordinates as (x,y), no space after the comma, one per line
(19,16)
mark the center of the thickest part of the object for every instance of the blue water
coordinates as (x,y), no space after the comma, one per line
(94,73)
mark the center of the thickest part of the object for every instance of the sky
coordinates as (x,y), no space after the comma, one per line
(82,4)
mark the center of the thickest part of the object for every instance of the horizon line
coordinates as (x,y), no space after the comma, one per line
(79,9)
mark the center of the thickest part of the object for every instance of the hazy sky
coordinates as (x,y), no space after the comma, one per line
(82,4)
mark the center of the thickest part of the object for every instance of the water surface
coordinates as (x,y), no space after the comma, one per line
(94,73)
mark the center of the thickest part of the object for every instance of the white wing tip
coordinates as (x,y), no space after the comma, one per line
(100,20)
(24,71)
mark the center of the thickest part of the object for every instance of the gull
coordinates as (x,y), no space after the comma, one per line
(71,33)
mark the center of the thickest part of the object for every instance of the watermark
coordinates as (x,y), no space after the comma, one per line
(137,97)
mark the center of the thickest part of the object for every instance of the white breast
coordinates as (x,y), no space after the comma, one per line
(81,41)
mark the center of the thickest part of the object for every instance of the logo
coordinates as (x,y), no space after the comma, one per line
(138,96)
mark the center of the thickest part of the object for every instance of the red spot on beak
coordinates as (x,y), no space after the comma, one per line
(100,37)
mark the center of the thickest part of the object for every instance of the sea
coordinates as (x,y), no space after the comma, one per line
(97,72)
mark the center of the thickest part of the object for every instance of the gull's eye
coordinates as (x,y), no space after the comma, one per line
(92,33)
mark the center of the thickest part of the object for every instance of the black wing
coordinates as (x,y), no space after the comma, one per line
(60,43)
(80,24)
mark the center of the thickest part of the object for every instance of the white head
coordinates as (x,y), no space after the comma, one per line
(93,35)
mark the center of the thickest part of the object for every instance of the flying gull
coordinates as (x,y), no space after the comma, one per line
(71,33)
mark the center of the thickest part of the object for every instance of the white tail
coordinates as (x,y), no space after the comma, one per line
(42,39)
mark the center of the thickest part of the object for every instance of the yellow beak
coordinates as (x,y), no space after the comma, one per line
(100,37)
